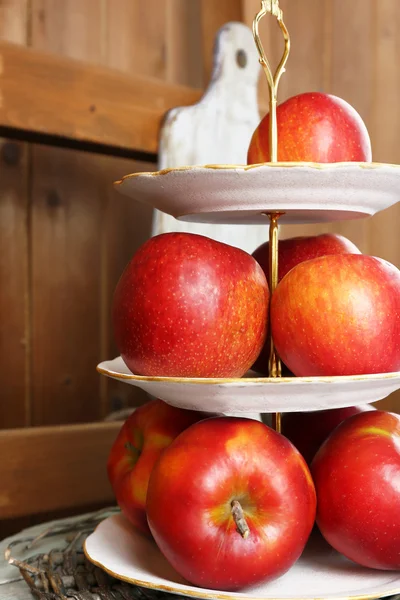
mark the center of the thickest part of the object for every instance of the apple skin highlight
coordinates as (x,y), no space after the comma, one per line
(313,127)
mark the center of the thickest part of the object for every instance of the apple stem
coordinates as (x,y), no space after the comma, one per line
(239,518)
(131,448)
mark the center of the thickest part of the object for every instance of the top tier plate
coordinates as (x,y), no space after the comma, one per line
(238,194)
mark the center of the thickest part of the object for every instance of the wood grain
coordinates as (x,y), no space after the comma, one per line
(213,16)
(66,221)
(184,43)
(66,467)
(14,298)
(59,97)
(14,21)
(136,33)
(66,242)
(305,68)
(68,28)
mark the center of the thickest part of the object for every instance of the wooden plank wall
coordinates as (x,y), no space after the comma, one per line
(73,226)
(65,236)
(14,303)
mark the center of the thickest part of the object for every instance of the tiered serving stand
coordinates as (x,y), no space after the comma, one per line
(236,194)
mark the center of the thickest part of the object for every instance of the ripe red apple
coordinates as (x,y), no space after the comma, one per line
(293,251)
(231,503)
(143,436)
(357,475)
(313,127)
(338,315)
(188,306)
(308,430)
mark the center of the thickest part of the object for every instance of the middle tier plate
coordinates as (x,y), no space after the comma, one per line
(253,394)
(238,194)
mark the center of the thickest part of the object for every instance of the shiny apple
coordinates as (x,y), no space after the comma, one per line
(293,251)
(188,306)
(357,475)
(231,503)
(142,438)
(338,315)
(313,127)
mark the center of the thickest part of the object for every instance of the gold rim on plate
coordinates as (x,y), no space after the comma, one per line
(245,168)
(211,595)
(244,380)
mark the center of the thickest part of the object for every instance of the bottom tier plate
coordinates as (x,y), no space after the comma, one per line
(320,573)
(254,394)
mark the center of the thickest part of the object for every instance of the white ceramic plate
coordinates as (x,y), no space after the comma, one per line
(234,194)
(320,573)
(253,394)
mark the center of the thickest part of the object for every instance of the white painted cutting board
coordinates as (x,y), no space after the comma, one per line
(217,130)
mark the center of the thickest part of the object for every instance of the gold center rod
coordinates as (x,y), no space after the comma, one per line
(275,366)
(277,422)
(275,369)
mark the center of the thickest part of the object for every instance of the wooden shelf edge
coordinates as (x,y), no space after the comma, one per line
(65,99)
(55,468)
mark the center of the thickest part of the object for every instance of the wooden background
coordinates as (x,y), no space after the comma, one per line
(65,236)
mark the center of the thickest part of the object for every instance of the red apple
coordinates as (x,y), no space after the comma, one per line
(143,436)
(231,503)
(357,476)
(293,251)
(188,306)
(338,315)
(313,127)
(308,431)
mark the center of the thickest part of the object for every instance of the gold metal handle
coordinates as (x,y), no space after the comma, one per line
(272,7)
